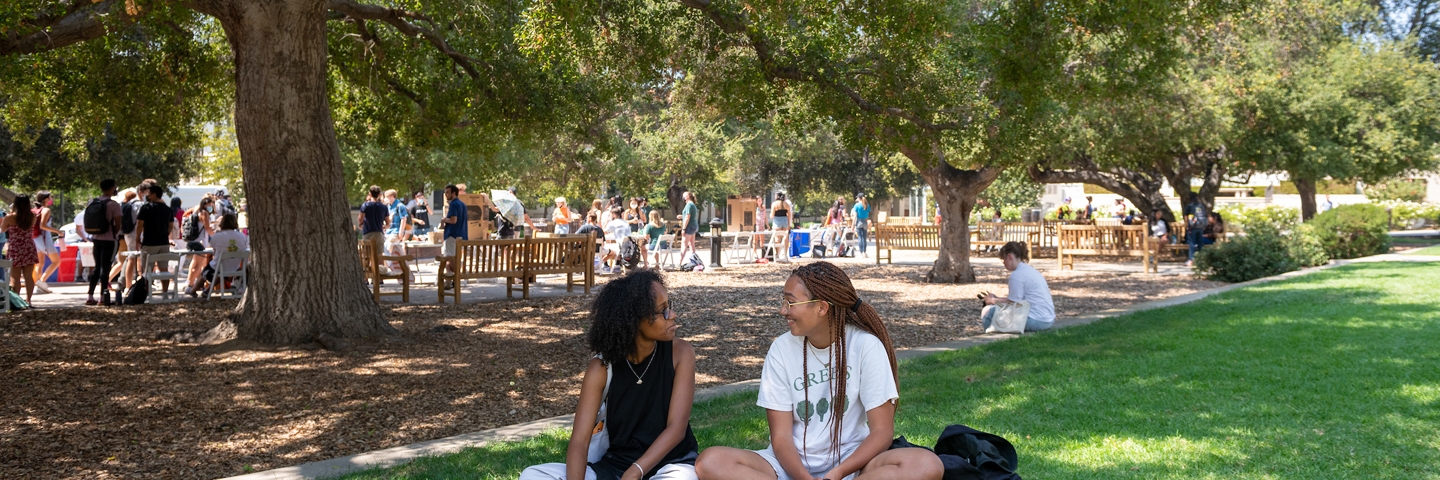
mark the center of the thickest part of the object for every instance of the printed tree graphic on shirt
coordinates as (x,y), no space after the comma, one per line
(804,409)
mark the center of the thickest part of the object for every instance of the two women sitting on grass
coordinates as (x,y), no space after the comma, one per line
(829,387)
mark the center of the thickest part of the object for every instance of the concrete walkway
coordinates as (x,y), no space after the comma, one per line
(399,455)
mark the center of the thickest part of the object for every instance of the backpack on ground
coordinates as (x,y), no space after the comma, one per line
(629,252)
(97,221)
(17,302)
(691,263)
(139,292)
(127,218)
(191,227)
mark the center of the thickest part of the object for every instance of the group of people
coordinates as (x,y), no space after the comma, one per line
(780,217)
(122,233)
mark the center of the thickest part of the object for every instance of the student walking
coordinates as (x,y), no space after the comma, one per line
(690,226)
(44,244)
(861,212)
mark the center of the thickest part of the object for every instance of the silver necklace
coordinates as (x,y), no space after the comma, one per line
(639,377)
(816,351)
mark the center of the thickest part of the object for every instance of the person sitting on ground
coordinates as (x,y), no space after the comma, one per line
(155,223)
(646,415)
(1026,284)
(18,227)
(822,424)
(228,239)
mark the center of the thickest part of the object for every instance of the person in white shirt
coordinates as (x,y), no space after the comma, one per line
(825,424)
(1026,284)
(615,233)
(228,239)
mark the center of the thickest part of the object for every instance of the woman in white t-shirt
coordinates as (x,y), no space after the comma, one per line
(1026,284)
(812,434)
(228,239)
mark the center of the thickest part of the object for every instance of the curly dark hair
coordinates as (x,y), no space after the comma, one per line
(618,309)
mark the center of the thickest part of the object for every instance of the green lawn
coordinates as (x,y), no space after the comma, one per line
(1334,374)
(1435,250)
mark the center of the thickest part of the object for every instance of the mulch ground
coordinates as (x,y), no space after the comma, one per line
(90,393)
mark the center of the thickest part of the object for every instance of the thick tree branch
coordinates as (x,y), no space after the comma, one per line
(77,25)
(401,20)
(372,46)
(774,69)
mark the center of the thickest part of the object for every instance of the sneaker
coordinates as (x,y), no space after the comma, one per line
(42,288)
(91,303)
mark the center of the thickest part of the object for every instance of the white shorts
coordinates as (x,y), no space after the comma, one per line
(769,455)
(556,471)
(447,248)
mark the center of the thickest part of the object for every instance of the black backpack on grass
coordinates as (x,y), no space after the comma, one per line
(629,252)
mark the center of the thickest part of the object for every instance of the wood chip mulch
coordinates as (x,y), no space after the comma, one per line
(90,392)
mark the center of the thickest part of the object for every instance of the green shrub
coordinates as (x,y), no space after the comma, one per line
(1402,213)
(1242,216)
(1353,231)
(1412,190)
(1261,252)
(1306,247)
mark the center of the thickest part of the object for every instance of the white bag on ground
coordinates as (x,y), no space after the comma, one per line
(1010,318)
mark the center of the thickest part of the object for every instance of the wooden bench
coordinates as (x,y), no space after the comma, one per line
(997,234)
(519,261)
(1105,240)
(904,237)
(568,254)
(476,259)
(372,261)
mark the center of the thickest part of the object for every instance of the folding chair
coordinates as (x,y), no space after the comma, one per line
(237,275)
(170,274)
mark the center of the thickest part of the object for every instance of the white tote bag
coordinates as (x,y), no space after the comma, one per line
(1010,318)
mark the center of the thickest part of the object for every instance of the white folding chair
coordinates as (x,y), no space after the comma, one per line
(5,288)
(741,248)
(237,286)
(851,241)
(667,248)
(171,274)
(776,243)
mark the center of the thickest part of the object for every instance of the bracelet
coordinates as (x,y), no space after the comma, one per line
(642,469)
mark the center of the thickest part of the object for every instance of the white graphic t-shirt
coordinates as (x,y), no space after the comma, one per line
(783,385)
(228,241)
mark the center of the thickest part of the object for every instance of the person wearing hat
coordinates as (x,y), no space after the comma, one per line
(861,213)
(561,216)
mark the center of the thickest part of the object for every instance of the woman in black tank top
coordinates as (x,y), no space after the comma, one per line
(653,372)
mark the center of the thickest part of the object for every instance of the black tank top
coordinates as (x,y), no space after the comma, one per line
(636,414)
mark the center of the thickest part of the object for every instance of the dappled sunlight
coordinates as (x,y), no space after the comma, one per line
(1422,394)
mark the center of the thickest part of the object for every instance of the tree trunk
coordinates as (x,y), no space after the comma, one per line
(1306,187)
(957,192)
(1205,165)
(305,278)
